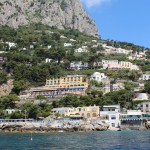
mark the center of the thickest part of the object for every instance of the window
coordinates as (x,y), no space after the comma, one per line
(113,117)
(113,124)
(146,105)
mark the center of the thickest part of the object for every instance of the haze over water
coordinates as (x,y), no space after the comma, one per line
(106,140)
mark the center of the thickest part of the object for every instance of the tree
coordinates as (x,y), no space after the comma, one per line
(3,77)
(147,86)
(20,85)
(9,101)
(31,110)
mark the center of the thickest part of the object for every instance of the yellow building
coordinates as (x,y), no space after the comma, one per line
(71,84)
(84,112)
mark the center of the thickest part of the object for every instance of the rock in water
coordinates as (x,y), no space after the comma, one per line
(59,13)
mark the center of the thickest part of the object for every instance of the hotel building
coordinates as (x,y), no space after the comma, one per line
(71,84)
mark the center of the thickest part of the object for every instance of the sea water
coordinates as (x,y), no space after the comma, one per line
(100,140)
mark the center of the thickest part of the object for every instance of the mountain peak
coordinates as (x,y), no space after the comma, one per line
(59,13)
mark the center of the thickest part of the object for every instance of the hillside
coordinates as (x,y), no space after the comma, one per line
(59,13)
(31,54)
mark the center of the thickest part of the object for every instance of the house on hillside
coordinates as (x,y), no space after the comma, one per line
(140,96)
(97,76)
(145,76)
(78,65)
(106,63)
(111,115)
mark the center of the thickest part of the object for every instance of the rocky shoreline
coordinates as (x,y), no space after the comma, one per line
(64,126)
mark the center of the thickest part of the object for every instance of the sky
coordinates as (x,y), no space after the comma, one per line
(121,20)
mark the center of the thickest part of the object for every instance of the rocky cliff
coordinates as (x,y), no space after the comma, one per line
(59,13)
(5,89)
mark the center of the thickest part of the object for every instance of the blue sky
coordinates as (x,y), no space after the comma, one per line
(121,20)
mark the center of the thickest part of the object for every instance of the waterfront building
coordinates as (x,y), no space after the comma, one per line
(79,112)
(133,118)
(110,114)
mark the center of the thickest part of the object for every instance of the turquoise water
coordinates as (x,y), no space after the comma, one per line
(105,140)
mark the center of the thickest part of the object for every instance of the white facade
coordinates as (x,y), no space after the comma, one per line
(63,37)
(111,115)
(140,96)
(67,44)
(47,60)
(49,46)
(31,46)
(97,76)
(112,118)
(78,65)
(115,108)
(145,77)
(145,106)
(9,111)
(72,40)
(81,50)
(11,44)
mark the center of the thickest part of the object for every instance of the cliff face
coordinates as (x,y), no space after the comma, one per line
(59,13)
(5,89)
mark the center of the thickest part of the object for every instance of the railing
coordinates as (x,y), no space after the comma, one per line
(17,120)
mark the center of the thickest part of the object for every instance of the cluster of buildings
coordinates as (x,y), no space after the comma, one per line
(80,84)
(138,56)
(116,65)
(111,50)
(111,114)
(70,84)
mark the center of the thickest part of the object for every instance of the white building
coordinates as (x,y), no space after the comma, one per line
(49,46)
(140,96)
(72,40)
(47,60)
(78,65)
(31,46)
(115,108)
(145,77)
(145,106)
(9,111)
(97,76)
(11,44)
(80,50)
(111,115)
(117,87)
(67,44)
(63,37)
